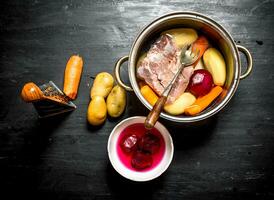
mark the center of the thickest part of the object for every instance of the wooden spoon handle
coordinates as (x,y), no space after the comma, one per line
(31,92)
(155,112)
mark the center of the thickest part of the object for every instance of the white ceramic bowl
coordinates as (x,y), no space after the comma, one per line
(135,175)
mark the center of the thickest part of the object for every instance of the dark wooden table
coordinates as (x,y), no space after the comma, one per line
(231,157)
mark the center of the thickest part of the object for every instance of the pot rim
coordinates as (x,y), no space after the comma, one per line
(207,20)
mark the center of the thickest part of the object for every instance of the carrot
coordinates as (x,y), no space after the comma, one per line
(201,44)
(149,94)
(202,102)
(31,92)
(73,73)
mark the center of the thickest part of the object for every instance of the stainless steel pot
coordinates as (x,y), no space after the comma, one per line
(216,34)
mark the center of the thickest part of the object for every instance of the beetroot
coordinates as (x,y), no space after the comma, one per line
(149,143)
(200,82)
(141,160)
(129,143)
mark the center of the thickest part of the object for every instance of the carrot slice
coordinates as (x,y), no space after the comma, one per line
(149,94)
(72,77)
(202,102)
(200,44)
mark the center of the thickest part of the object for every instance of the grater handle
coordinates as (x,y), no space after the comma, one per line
(31,92)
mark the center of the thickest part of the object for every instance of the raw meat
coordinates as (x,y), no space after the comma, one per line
(160,65)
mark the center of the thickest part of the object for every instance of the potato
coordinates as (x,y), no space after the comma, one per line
(141,58)
(178,106)
(116,101)
(182,36)
(97,111)
(200,65)
(215,64)
(102,85)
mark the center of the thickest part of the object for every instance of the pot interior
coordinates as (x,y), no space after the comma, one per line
(218,38)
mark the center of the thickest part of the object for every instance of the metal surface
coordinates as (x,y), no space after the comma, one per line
(215,32)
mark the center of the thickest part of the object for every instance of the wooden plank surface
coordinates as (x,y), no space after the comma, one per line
(231,157)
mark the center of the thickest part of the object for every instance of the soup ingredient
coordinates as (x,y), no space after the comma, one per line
(178,106)
(215,64)
(116,101)
(156,68)
(180,84)
(141,160)
(160,65)
(72,77)
(97,111)
(201,44)
(141,58)
(132,152)
(200,82)
(102,85)
(199,65)
(203,102)
(182,36)
(149,94)
(149,143)
(129,143)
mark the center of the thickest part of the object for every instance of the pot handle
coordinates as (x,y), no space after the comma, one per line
(249,61)
(117,73)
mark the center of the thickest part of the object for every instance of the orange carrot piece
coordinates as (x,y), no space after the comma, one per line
(149,94)
(141,83)
(202,102)
(31,92)
(72,77)
(201,44)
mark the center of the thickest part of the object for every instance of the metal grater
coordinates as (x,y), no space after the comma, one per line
(54,102)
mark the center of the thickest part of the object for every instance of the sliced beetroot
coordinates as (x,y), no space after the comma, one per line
(149,143)
(129,143)
(141,160)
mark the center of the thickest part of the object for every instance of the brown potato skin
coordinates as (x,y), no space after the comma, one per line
(102,85)
(97,111)
(116,101)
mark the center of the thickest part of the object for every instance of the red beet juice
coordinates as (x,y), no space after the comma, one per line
(150,143)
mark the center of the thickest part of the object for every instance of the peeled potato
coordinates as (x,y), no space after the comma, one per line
(215,64)
(97,111)
(141,58)
(116,101)
(102,85)
(200,65)
(182,36)
(178,106)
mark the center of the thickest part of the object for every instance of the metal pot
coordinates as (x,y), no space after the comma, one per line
(214,32)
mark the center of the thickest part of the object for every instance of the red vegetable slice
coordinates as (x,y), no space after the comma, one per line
(141,160)
(149,143)
(129,143)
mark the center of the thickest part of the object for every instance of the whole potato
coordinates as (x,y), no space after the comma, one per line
(182,36)
(178,106)
(102,85)
(215,64)
(97,111)
(116,101)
